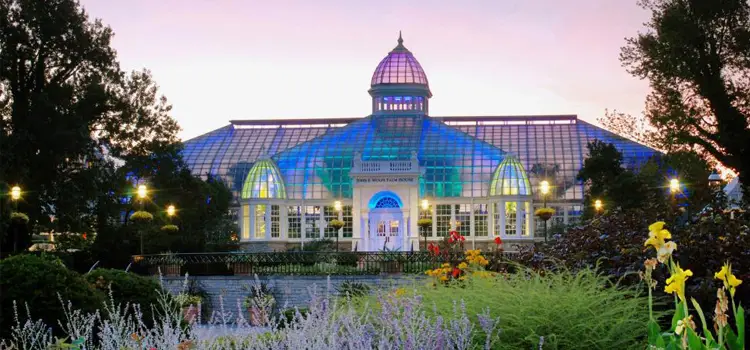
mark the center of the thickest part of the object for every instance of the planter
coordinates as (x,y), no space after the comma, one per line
(545,216)
(190,313)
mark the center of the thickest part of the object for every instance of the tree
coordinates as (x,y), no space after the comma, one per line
(696,55)
(66,109)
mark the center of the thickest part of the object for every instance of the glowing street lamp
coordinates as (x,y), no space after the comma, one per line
(142,192)
(598,205)
(425,204)
(171,210)
(337,206)
(544,189)
(15,193)
(674,185)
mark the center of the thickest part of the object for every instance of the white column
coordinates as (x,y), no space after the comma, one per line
(365,241)
(501,205)
(268,224)
(471,227)
(283,222)
(356,220)
(520,217)
(322,222)
(404,227)
(434,219)
(252,222)
(491,221)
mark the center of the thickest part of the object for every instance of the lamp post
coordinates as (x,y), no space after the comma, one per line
(170,212)
(423,223)
(15,195)
(544,189)
(337,224)
(674,188)
(142,193)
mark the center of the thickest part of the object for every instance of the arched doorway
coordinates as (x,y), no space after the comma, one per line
(387,224)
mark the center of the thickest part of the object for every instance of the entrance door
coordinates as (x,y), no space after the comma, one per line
(386,229)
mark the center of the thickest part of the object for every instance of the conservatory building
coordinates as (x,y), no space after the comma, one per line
(380,174)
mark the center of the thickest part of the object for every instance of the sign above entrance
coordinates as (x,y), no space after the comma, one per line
(386,179)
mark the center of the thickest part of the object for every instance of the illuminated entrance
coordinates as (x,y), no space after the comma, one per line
(386,222)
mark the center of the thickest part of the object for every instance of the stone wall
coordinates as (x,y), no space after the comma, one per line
(290,291)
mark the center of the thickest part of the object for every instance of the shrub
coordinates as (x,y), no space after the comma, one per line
(141,216)
(19,217)
(37,281)
(170,228)
(128,288)
(353,289)
(579,310)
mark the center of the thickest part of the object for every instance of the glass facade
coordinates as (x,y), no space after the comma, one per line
(481,173)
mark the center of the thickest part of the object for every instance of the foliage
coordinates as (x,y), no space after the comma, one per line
(544,213)
(128,289)
(70,241)
(57,119)
(19,217)
(472,265)
(400,323)
(141,216)
(695,55)
(683,332)
(169,228)
(336,224)
(42,283)
(424,222)
(353,289)
(184,299)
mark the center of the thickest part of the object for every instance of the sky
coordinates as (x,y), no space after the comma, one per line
(221,60)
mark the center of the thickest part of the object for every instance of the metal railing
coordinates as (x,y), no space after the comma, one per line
(301,263)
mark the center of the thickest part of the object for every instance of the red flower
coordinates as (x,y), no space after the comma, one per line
(462,238)
(455,272)
(437,250)
(83,236)
(498,241)
(451,240)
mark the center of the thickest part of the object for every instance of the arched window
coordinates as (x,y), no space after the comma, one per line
(387,202)
(264,181)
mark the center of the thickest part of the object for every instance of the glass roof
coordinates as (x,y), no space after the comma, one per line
(510,179)
(399,67)
(459,155)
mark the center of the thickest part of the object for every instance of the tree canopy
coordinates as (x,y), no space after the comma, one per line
(696,56)
(74,127)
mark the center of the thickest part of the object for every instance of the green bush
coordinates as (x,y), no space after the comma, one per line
(570,310)
(128,288)
(36,281)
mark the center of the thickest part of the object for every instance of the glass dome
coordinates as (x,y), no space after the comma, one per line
(264,181)
(399,67)
(509,179)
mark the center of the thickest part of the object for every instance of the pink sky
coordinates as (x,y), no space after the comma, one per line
(221,60)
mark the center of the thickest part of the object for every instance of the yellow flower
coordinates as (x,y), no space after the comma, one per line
(400,292)
(730,281)
(676,282)
(446,265)
(462,265)
(443,278)
(656,235)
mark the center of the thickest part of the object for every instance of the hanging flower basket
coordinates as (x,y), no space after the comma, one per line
(19,218)
(544,213)
(141,216)
(336,224)
(170,228)
(424,223)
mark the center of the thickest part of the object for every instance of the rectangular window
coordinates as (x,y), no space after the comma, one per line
(481,228)
(245,222)
(381,229)
(443,213)
(330,214)
(348,221)
(275,221)
(260,221)
(523,215)
(394,228)
(510,218)
(463,219)
(294,216)
(312,222)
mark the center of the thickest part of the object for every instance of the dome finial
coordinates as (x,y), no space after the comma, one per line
(400,46)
